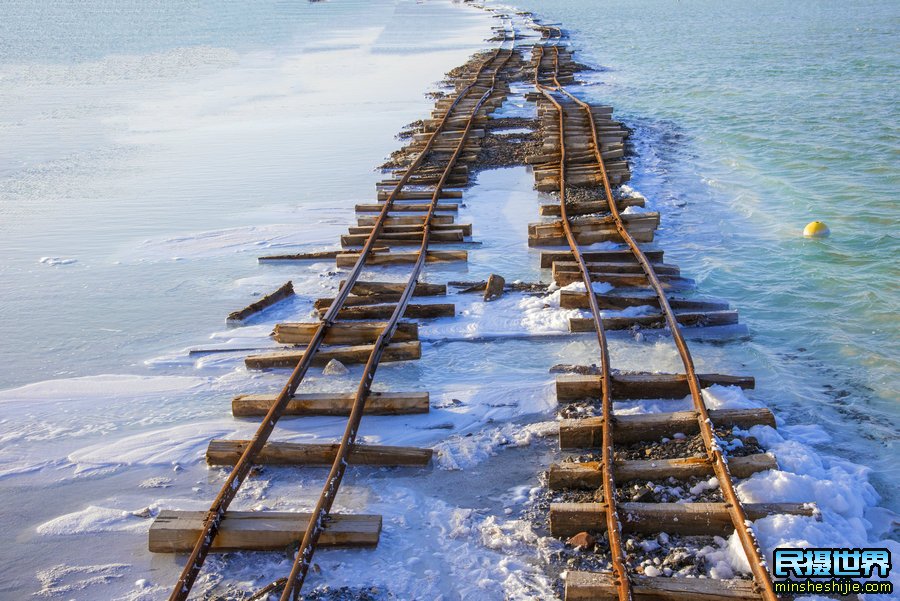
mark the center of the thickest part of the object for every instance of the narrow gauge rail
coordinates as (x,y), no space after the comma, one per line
(568,108)
(473,101)
(613,525)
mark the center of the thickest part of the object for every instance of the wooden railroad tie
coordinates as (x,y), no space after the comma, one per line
(620,280)
(592,586)
(357,301)
(636,385)
(588,230)
(227,452)
(398,351)
(406,238)
(571,299)
(586,432)
(405,258)
(413,208)
(588,474)
(656,321)
(413,311)
(549,257)
(310,404)
(691,519)
(412,228)
(316,255)
(420,194)
(343,333)
(369,221)
(177,531)
(629,267)
(575,209)
(363,288)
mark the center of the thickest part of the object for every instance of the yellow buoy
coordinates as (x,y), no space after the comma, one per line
(816,229)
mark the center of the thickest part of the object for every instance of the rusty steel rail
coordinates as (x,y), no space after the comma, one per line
(242,467)
(719,463)
(613,524)
(303,559)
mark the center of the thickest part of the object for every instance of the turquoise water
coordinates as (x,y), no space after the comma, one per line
(753,119)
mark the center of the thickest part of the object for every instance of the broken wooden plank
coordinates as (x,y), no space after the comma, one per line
(398,351)
(586,432)
(601,586)
(284,291)
(343,333)
(177,531)
(631,385)
(588,474)
(707,319)
(691,519)
(227,452)
(403,258)
(494,287)
(309,404)
(414,311)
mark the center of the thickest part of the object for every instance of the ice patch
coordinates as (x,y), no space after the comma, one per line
(54,261)
(222,242)
(170,446)
(598,287)
(727,397)
(68,579)
(102,387)
(460,452)
(94,519)
(512,130)
(543,315)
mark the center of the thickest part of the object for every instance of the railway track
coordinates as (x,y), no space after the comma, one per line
(413,222)
(582,145)
(414,209)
